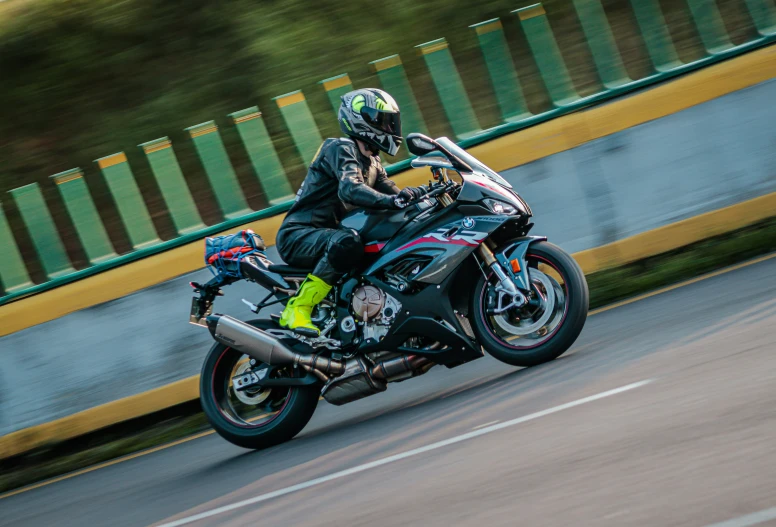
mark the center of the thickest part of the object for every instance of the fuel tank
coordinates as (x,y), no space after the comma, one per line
(380,225)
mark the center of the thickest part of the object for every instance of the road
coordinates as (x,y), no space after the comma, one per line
(689,441)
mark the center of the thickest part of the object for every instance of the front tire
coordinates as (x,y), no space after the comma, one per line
(277,415)
(501,335)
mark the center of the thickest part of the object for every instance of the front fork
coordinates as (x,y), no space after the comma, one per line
(506,285)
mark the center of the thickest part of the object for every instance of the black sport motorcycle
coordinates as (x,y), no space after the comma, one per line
(448,276)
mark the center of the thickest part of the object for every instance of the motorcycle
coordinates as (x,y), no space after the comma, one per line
(450,276)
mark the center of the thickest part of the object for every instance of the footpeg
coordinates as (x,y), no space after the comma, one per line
(253,307)
(306,332)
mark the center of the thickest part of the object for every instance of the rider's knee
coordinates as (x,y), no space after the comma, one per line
(345,250)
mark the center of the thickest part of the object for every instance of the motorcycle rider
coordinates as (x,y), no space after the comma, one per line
(345,173)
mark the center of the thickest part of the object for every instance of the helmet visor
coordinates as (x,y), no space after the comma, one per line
(388,122)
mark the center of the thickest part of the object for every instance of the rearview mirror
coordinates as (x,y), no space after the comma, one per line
(432,162)
(420,145)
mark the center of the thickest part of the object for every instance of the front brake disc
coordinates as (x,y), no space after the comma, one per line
(547,302)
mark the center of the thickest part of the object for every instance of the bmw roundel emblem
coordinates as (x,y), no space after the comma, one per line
(468,223)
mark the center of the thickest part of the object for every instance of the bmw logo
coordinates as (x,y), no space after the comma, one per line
(468,223)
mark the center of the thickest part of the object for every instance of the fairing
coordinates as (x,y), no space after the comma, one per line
(378,225)
(429,313)
(473,162)
(453,236)
(477,187)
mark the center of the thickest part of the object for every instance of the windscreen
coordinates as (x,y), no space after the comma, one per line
(473,162)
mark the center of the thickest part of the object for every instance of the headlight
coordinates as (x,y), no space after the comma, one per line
(500,207)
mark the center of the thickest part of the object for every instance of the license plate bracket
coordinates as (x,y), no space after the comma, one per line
(200,310)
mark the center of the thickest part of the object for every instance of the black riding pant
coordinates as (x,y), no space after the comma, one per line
(330,253)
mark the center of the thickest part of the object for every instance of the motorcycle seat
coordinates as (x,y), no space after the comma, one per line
(289,270)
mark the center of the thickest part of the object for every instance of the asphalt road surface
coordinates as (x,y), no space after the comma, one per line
(663,414)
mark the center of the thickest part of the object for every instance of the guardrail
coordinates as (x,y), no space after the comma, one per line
(58,269)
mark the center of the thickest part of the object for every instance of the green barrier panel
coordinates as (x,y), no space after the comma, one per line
(501,68)
(548,58)
(13,273)
(41,228)
(658,40)
(88,225)
(175,192)
(601,41)
(394,80)
(335,88)
(487,135)
(710,27)
(129,201)
(265,161)
(219,170)
(764,15)
(300,123)
(450,88)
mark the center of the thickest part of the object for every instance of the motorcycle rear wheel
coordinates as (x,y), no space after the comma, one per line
(275,418)
(530,336)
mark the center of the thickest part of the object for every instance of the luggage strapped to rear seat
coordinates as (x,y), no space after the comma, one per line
(223,253)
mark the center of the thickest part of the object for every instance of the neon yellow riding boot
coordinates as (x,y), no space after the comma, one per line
(297,313)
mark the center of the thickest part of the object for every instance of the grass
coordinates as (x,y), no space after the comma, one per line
(606,287)
(83,79)
(112,443)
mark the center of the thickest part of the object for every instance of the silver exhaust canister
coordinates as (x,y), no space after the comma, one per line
(266,348)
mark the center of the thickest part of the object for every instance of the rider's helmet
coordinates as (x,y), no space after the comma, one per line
(372,116)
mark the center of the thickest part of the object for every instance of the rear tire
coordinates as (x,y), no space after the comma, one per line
(295,409)
(574,317)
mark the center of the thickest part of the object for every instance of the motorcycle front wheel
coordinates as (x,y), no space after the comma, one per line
(255,419)
(548,324)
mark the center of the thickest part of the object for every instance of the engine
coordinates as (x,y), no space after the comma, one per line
(375,310)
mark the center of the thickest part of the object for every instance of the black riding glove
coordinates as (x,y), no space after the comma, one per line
(410,193)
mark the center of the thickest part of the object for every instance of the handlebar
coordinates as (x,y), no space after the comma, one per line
(444,187)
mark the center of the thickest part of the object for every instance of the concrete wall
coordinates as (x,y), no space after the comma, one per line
(706,157)
(711,155)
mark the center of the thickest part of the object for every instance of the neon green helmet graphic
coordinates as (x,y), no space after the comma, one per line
(357,103)
(372,116)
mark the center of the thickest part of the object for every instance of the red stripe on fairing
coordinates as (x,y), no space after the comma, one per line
(373,247)
(486,183)
(434,240)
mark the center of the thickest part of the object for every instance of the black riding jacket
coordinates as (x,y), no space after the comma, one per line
(340,179)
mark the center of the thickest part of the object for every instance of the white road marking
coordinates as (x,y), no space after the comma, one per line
(400,456)
(486,424)
(750,519)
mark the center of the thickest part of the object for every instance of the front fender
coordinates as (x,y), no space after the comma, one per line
(516,249)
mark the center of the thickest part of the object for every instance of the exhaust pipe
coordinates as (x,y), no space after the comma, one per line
(265,348)
(401,368)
